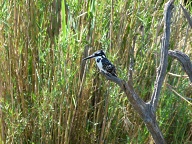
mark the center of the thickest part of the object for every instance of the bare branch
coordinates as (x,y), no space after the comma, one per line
(164,55)
(143,109)
(131,65)
(147,110)
(184,60)
(176,93)
(176,75)
(187,15)
(138,104)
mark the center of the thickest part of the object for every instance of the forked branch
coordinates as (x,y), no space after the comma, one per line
(142,108)
(147,110)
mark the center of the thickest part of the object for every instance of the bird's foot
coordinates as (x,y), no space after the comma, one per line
(109,74)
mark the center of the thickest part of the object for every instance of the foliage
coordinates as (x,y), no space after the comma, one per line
(48,95)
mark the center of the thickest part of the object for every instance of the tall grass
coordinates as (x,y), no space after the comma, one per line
(49,95)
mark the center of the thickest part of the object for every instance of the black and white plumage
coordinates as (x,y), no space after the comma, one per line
(103,63)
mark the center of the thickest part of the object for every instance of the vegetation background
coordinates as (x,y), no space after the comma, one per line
(48,95)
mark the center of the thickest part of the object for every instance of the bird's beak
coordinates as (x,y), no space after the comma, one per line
(89,57)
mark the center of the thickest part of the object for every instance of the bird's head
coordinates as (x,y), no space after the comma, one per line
(96,54)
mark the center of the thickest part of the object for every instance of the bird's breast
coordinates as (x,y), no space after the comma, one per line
(99,64)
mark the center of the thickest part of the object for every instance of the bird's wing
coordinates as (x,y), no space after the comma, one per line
(108,66)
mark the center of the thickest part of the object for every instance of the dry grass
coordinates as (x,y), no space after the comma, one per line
(48,95)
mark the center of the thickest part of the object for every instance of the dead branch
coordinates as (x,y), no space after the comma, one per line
(142,108)
(164,55)
(187,15)
(176,75)
(184,60)
(147,110)
(176,93)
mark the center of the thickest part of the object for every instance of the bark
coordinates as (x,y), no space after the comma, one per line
(184,60)
(164,55)
(142,108)
(147,110)
(187,15)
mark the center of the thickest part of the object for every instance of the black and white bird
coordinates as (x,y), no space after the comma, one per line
(103,63)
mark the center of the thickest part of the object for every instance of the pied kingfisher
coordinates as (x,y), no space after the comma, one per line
(103,63)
